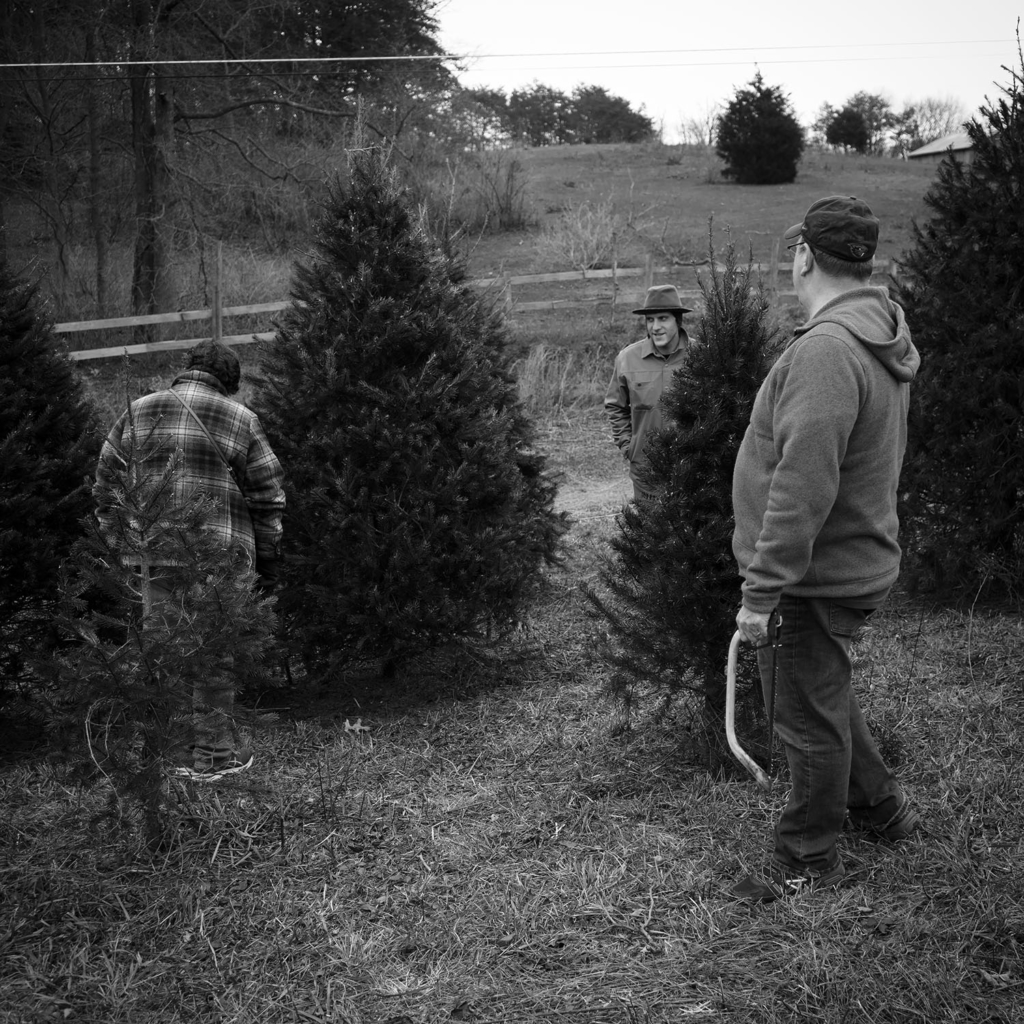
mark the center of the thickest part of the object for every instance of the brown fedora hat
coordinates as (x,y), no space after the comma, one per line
(662,298)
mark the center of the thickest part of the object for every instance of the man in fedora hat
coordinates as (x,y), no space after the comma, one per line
(814,499)
(642,372)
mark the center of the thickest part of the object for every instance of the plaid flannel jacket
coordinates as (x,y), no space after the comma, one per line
(250,516)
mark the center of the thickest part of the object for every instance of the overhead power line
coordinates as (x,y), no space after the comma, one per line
(117,68)
(722,63)
(521,56)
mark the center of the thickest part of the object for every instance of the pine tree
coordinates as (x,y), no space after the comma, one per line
(48,445)
(964,300)
(672,588)
(418,510)
(121,686)
(759,137)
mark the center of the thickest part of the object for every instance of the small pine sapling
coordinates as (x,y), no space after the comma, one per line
(122,692)
(671,588)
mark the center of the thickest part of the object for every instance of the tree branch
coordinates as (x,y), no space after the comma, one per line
(274,102)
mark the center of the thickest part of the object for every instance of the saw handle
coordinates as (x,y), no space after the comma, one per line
(730,718)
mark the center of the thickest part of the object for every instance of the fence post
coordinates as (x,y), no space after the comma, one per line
(615,283)
(773,274)
(218,332)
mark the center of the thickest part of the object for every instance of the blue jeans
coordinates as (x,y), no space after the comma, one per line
(834,763)
(213,695)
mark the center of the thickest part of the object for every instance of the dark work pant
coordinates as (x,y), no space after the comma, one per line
(213,696)
(834,763)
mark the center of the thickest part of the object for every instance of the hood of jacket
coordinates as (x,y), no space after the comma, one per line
(877,323)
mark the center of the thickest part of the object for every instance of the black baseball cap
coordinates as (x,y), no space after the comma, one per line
(842,226)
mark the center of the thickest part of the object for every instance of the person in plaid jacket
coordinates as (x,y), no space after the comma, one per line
(196,417)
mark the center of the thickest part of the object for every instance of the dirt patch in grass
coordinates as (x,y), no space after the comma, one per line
(594,476)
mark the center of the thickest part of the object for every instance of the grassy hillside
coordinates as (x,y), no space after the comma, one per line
(662,197)
(654,200)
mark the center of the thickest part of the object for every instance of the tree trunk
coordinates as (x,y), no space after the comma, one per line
(96,227)
(6,52)
(143,149)
(50,201)
(167,297)
(152,125)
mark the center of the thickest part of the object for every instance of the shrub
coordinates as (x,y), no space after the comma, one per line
(471,193)
(672,588)
(556,379)
(501,187)
(582,237)
(418,510)
(964,300)
(759,137)
(48,444)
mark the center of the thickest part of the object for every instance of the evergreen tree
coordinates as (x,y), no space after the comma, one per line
(48,445)
(759,137)
(964,299)
(418,510)
(672,586)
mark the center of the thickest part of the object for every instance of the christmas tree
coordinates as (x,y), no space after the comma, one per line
(759,137)
(48,446)
(671,589)
(964,300)
(419,511)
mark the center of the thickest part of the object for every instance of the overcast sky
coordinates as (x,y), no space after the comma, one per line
(678,59)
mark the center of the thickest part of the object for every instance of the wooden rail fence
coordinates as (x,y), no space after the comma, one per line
(167,318)
(505,285)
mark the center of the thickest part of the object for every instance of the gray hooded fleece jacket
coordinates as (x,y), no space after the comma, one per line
(815,481)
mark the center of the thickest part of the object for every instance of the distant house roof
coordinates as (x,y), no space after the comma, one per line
(956,142)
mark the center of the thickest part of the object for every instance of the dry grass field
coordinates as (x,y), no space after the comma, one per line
(656,200)
(663,196)
(492,841)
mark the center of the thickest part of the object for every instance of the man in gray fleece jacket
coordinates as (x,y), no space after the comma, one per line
(814,498)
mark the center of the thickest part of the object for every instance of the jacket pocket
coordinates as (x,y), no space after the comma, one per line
(642,394)
(844,621)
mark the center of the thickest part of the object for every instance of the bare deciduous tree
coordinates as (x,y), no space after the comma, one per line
(819,126)
(116,101)
(698,129)
(938,116)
